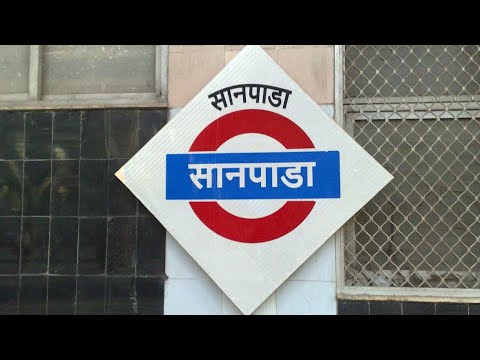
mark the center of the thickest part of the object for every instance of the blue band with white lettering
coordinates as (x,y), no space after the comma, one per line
(235,176)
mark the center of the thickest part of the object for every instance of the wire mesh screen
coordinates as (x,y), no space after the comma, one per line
(416,110)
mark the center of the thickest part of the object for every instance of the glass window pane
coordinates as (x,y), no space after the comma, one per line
(97,69)
(14,64)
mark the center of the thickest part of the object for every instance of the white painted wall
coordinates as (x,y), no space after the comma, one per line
(310,290)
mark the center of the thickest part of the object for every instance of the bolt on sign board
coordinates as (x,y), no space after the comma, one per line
(252,177)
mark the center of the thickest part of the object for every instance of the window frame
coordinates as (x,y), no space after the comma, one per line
(345,292)
(34,100)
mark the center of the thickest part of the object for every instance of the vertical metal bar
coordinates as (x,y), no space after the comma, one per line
(161,71)
(339,51)
(35,73)
(339,118)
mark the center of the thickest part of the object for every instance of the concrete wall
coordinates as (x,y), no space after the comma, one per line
(311,289)
(190,68)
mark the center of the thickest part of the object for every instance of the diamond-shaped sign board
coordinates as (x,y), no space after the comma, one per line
(252,177)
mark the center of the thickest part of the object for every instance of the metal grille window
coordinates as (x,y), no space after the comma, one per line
(79,76)
(416,110)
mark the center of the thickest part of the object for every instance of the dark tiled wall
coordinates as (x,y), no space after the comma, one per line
(405,308)
(73,239)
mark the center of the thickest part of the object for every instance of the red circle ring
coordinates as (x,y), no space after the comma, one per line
(270,227)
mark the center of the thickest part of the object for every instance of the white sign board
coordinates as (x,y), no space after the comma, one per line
(252,177)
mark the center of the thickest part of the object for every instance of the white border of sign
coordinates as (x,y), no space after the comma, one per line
(249,273)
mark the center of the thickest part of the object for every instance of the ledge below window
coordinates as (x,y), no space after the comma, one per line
(94,101)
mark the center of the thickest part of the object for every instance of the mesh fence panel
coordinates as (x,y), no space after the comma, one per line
(416,110)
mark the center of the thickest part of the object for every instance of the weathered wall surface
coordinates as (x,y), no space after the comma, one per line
(311,290)
(190,68)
